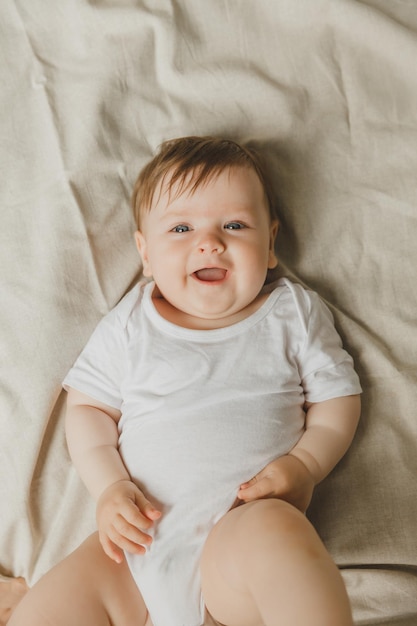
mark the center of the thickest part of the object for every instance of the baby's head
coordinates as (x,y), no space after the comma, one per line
(206,230)
(188,162)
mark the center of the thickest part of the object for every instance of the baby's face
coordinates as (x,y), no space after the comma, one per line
(209,251)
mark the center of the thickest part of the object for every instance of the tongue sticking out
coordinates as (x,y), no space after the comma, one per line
(211,274)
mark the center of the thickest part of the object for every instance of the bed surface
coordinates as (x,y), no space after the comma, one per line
(328,91)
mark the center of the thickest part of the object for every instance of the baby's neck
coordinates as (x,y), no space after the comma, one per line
(183,319)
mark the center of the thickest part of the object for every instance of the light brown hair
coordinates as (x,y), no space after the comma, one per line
(200,157)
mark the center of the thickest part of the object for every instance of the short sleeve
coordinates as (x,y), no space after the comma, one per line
(99,369)
(326,369)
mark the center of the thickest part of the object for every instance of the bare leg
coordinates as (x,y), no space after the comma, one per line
(11,592)
(84,589)
(264,564)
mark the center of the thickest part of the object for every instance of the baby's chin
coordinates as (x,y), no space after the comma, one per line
(214,320)
(206,309)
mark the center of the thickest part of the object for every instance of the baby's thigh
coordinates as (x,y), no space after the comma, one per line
(85,588)
(250,544)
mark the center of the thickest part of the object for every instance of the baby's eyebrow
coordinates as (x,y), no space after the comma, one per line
(176,215)
(237,209)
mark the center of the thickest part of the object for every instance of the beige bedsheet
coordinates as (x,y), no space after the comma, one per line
(328,89)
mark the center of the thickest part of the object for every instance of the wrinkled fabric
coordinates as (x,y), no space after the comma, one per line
(327,91)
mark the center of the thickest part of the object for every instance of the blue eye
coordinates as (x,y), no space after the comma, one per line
(181,228)
(234,226)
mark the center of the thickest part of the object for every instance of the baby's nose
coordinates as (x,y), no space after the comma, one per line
(211,243)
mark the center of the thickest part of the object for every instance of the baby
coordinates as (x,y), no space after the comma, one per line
(201,414)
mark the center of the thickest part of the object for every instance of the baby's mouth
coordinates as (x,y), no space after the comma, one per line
(210,274)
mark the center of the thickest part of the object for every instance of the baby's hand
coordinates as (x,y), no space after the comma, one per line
(123,516)
(286,478)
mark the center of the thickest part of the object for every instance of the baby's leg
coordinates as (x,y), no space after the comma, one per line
(11,593)
(264,564)
(84,589)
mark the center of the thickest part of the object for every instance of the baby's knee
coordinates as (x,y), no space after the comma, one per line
(272,526)
(259,531)
(271,516)
(256,537)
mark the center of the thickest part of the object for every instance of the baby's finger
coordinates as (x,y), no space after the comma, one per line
(131,513)
(132,533)
(136,517)
(147,508)
(128,538)
(111,549)
(255,489)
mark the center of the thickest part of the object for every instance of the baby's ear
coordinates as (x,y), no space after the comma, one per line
(273,231)
(143,251)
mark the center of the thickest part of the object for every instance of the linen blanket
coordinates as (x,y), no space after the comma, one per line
(327,90)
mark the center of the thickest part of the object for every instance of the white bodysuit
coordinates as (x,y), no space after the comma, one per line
(204,411)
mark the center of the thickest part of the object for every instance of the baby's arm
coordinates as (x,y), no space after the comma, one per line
(123,512)
(330,427)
